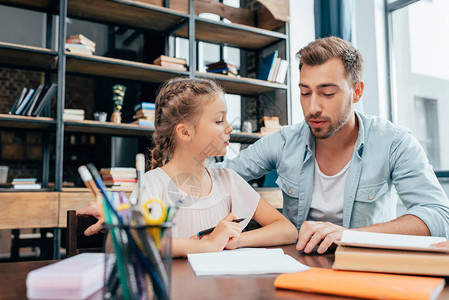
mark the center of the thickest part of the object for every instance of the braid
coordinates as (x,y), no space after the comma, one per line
(162,152)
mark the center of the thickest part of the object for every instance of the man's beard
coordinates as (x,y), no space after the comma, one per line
(334,127)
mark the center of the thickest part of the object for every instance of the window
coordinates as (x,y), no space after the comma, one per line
(419,68)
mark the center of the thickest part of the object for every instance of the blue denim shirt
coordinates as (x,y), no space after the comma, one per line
(387,162)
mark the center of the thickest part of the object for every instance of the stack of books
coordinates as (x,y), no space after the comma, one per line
(269,125)
(79,44)
(32,102)
(222,67)
(273,68)
(73,114)
(171,63)
(144,114)
(119,178)
(25,184)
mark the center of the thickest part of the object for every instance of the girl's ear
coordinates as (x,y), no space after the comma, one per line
(183,132)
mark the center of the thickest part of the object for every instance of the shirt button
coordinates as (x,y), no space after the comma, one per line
(290,192)
(370,197)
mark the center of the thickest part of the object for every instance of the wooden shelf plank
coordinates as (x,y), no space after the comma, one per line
(126,12)
(242,85)
(119,68)
(13,121)
(27,56)
(237,35)
(123,129)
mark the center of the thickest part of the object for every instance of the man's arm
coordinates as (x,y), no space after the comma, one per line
(325,234)
(258,159)
(418,188)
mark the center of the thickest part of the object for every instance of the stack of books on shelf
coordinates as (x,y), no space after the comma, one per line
(222,67)
(273,68)
(119,178)
(25,184)
(71,114)
(144,114)
(270,125)
(32,102)
(79,44)
(171,63)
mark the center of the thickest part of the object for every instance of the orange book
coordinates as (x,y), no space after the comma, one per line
(361,284)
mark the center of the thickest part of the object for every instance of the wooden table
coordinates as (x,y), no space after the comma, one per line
(185,285)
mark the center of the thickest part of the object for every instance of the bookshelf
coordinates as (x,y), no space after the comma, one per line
(176,21)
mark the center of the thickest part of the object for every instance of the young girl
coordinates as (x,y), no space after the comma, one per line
(191,125)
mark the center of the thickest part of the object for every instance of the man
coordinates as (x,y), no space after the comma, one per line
(337,169)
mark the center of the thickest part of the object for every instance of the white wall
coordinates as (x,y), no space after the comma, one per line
(302,32)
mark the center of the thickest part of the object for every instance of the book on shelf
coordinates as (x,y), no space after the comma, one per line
(32,103)
(147,114)
(143,122)
(267,66)
(269,125)
(361,284)
(81,39)
(119,171)
(282,72)
(122,178)
(222,67)
(173,66)
(31,186)
(25,183)
(18,100)
(71,114)
(78,49)
(119,183)
(24,102)
(145,105)
(23,180)
(44,100)
(169,59)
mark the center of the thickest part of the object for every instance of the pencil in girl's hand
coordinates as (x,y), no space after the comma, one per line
(209,230)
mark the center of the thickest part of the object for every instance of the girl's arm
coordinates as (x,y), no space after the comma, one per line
(225,231)
(276,230)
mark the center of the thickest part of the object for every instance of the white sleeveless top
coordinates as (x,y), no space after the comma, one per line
(327,197)
(229,193)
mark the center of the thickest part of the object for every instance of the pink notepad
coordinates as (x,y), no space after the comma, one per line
(77,277)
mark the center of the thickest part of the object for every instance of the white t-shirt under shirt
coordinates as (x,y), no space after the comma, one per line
(229,193)
(327,197)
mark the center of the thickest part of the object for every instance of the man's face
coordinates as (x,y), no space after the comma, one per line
(326,97)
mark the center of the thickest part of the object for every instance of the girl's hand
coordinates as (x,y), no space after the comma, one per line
(224,232)
(92,209)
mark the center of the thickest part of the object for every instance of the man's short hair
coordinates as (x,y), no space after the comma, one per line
(321,50)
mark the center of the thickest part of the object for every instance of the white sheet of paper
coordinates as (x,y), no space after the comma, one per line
(391,241)
(244,261)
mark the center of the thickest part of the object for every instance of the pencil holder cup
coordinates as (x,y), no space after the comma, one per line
(138,262)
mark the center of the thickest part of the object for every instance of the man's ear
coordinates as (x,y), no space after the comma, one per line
(358,91)
(183,132)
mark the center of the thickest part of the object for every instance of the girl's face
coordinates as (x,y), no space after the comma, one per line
(211,133)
